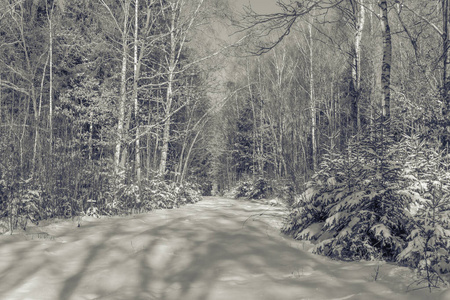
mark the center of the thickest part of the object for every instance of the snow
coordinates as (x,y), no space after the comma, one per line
(216,249)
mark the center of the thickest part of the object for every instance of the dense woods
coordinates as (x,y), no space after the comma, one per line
(341,107)
(346,104)
(102,106)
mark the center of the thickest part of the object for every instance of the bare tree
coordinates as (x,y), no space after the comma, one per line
(351,11)
(123,29)
(179,28)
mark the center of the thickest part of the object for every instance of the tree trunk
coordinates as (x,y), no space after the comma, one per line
(37,117)
(169,95)
(166,130)
(123,87)
(188,157)
(445,82)
(50,114)
(261,123)
(137,160)
(445,45)
(312,100)
(356,69)
(1,99)
(386,65)
(149,150)
(255,159)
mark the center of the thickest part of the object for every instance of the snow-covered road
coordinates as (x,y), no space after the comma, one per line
(216,249)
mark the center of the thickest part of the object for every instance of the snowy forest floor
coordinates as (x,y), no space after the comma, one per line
(215,249)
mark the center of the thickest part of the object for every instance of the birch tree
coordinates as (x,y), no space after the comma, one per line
(123,29)
(123,87)
(181,20)
(359,11)
(137,159)
(312,96)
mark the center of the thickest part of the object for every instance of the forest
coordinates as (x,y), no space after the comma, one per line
(340,108)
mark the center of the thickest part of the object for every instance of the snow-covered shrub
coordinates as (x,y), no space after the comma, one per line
(20,203)
(151,194)
(92,211)
(258,188)
(426,170)
(261,188)
(191,192)
(354,207)
(205,186)
(67,209)
(129,195)
(30,205)
(285,191)
(243,189)
(310,210)
(111,207)
(118,198)
(380,199)
(158,194)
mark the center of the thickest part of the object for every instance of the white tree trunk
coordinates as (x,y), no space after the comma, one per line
(169,94)
(50,114)
(356,70)
(137,160)
(312,99)
(123,87)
